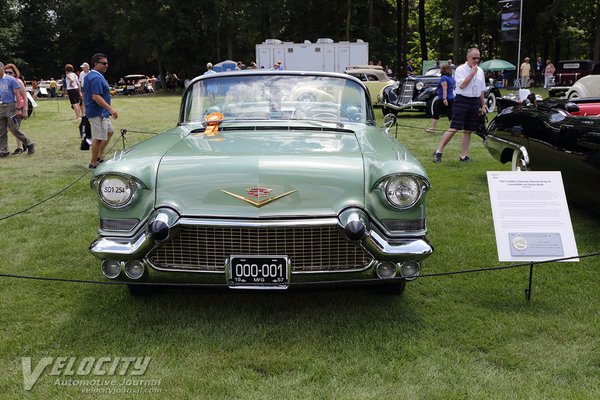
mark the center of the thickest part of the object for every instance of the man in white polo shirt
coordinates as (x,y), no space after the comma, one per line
(469,105)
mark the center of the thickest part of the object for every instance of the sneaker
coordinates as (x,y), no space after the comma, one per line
(91,166)
(465,159)
(31,148)
(437,157)
(99,160)
(6,154)
(18,151)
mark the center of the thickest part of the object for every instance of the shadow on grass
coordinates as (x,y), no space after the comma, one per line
(110,317)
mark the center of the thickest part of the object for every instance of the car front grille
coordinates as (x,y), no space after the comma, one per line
(311,249)
(406,94)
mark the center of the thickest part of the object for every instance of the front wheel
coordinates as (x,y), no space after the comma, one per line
(490,102)
(520,162)
(394,288)
(387,111)
(142,290)
(430,106)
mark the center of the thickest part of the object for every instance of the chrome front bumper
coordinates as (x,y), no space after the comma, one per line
(400,107)
(380,247)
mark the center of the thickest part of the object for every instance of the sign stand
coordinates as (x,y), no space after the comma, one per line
(531,218)
(528,290)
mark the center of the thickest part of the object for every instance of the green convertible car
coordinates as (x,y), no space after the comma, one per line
(270,179)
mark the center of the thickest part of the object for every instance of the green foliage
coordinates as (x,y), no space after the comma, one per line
(154,36)
(10,32)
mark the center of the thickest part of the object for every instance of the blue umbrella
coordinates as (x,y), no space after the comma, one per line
(497,65)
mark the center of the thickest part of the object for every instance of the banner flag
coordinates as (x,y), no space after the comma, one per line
(511,20)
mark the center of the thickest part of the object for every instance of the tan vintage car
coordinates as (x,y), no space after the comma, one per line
(373,77)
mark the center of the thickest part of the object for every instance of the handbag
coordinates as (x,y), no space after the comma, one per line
(85,133)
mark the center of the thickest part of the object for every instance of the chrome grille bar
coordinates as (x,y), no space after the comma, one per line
(311,248)
(408,88)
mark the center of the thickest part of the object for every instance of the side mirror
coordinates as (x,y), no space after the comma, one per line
(389,120)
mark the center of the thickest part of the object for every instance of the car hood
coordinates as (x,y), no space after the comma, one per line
(262,174)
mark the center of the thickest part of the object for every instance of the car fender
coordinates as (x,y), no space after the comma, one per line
(427,94)
(389,92)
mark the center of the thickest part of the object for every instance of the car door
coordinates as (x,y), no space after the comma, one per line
(578,146)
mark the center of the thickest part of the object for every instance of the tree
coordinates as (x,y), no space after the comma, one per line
(10,32)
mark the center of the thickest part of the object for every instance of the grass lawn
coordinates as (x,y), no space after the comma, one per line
(454,337)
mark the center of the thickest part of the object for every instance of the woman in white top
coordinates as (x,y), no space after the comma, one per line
(73,90)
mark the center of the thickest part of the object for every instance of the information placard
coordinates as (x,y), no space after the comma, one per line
(531,216)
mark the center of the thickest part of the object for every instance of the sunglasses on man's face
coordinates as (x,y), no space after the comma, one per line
(103,62)
(9,72)
(474,58)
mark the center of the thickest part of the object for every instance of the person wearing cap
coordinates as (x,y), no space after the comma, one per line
(85,69)
(10,91)
(525,70)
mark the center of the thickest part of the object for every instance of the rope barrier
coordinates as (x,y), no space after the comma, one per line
(206,285)
(296,284)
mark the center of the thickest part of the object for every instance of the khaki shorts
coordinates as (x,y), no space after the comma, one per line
(101,127)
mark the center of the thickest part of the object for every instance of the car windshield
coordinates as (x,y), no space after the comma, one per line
(277,96)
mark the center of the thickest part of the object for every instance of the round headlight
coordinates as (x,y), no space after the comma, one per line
(402,191)
(419,85)
(116,191)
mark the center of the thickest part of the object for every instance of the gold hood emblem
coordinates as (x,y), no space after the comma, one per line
(258,203)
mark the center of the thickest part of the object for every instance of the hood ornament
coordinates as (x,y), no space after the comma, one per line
(258,192)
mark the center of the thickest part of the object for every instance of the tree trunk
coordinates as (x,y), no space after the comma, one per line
(456,42)
(422,33)
(596,45)
(399,40)
(348,18)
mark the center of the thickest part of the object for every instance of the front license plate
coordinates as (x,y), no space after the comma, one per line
(258,272)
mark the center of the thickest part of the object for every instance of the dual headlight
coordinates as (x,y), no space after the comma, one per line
(116,191)
(403,191)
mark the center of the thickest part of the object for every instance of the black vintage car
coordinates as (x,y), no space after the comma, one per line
(553,135)
(418,92)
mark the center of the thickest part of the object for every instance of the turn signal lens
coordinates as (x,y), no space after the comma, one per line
(410,270)
(134,269)
(386,270)
(111,268)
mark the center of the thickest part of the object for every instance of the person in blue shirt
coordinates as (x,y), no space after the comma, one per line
(445,97)
(96,94)
(10,90)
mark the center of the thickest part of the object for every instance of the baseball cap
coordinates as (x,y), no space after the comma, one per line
(1,64)
(85,65)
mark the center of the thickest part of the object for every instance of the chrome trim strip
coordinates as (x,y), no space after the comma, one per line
(369,266)
(258,223)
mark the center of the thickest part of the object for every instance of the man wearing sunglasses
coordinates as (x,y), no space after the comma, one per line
(10,90)
(96,94)
(469,105)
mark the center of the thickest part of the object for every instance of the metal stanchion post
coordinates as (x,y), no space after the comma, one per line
(528,290)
